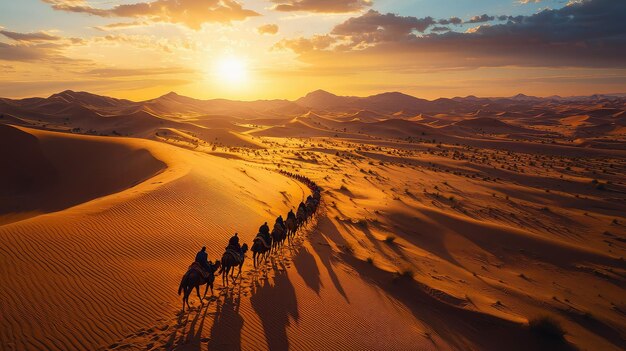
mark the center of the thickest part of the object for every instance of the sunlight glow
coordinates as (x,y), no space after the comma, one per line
(232,70)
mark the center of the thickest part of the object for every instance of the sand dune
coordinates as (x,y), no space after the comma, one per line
(47,171)
(444,225)
(103,269)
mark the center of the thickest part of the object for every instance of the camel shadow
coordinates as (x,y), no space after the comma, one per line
(275,305)
(188,339)
(324,252)
(307,269)
(227,325)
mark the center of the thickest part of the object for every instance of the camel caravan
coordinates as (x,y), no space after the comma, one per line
(202,270)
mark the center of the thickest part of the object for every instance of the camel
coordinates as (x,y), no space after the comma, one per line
(278,237)
(193,279)
(291,225)
(301,217)
(259,250)
(230,262)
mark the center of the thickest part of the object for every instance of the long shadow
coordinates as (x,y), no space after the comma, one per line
(368,234)
(226,329)
(462,329)
(193,338)
(326,254)
(182,321)
(597,327)
(275,304)
(425,235)
(307,269)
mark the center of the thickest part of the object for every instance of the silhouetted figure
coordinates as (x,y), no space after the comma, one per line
(264,230)
(281,222)
(203,258)
(233,243)
(291,214)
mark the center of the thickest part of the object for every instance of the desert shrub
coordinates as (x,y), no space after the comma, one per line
(406,272)
(348,248)
(362,223)
(547,328)
(389,239)
(370,260)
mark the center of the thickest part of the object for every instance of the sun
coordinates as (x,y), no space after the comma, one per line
(232,70)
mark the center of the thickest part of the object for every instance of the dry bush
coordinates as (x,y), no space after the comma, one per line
(547,328)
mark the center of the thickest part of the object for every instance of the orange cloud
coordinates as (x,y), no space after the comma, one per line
(191,13)
(35,36)
(36,46)
(132,72)
(122,25)
(268,29)
(324,6)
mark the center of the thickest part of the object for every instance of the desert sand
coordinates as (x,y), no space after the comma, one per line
(451,224)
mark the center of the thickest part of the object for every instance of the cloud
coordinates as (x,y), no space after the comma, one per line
(145,42)
(363,31)
(440,29)
(481,19)
(132,72)
(451,20)
(300,45)
(268,29)
(191,13)
(589,33)
(322,6)
(122,25)
(373,27)
(524,2)
(36,46)
(35,36)
(22,52)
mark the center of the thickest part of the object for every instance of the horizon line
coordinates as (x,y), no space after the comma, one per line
(615,94)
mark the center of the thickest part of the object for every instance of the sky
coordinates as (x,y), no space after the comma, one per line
(267,49)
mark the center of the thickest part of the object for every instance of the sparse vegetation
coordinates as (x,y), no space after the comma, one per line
(389,239)
(547,328)
(348,248)
(406,272)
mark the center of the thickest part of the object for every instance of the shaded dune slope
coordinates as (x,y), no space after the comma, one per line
(48,171)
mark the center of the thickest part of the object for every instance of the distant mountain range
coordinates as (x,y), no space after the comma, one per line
(389,103)
(596,120)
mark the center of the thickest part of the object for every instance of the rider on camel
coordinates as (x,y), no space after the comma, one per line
(264,230)
(281,222)
(291,214)
(203,259)
(233,243)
